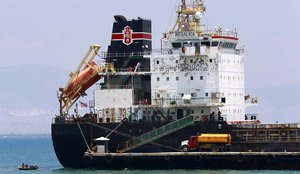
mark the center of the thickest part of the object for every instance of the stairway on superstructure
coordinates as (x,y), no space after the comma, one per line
(126,63)
(157,133)
(163,113)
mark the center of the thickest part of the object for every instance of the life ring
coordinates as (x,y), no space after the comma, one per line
(109,158)
(88,159)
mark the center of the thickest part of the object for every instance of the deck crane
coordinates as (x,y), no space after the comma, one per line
(85,75)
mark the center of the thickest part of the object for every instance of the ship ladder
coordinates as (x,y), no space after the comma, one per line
(130,136)
(128,77)
(157,133)
(129,59)
(163,113)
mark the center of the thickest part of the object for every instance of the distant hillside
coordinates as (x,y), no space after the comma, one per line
(28,98)
(279,103)
(30,85)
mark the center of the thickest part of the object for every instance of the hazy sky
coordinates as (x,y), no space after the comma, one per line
(59,32)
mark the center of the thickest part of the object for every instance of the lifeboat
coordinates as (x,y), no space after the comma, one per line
(84,80)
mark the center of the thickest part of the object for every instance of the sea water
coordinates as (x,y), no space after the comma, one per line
(15,150)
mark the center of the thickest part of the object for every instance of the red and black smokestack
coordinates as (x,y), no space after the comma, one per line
(129,38)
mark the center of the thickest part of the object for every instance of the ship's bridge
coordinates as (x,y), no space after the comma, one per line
(189,44)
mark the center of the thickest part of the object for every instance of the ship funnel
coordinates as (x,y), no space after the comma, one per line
(129,37)
(120,18)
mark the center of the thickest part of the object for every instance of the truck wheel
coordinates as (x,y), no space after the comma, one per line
(215,149)
(185,148)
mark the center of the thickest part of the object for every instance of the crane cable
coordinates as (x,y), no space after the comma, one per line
(96,52)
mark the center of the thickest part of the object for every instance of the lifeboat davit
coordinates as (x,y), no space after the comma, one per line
(83,81)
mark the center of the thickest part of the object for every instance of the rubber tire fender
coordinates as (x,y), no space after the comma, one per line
(88,159)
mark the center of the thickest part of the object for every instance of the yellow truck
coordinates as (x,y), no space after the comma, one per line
(207,142)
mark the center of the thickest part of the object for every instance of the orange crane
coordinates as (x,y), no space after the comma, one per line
(81,79)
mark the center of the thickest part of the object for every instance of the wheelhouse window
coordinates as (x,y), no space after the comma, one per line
(205,43)
(228,45)
(176,44)
(194,94)
(215,44)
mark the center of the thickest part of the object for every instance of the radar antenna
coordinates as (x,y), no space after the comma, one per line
(189,16)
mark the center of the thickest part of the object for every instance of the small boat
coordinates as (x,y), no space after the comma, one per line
(26,167)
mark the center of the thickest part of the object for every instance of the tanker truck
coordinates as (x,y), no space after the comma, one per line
(207,142)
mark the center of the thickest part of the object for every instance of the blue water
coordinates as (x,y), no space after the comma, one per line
(38,150)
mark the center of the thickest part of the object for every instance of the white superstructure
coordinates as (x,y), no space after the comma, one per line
(196,71)
(206,72)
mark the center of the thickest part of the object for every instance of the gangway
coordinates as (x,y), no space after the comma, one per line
(157,133)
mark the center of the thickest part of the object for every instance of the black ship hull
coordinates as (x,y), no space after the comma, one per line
(72,140)
(69,143)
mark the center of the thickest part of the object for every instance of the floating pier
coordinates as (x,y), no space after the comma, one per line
(194,160)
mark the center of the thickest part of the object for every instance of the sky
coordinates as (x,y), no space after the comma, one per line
(58,33)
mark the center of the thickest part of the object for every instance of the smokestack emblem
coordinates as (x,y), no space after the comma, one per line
(127,35)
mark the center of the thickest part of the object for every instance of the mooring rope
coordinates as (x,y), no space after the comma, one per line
(130,136)
(84,137)
(115,129)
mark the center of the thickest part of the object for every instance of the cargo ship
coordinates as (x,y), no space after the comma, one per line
(148,104)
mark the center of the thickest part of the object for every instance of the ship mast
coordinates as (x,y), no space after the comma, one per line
(189,16)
